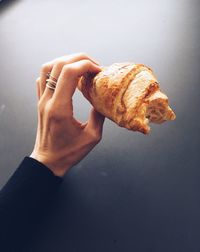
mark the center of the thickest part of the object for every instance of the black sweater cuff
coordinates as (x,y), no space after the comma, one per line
(31,179)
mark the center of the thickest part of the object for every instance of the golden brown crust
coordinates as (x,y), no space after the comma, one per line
(128,94)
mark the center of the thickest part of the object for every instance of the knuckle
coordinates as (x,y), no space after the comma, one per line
(68,70)
(83,55)
(45,68)
(50,111)
(54,113)
(87,62)
(40,106)
(59,64)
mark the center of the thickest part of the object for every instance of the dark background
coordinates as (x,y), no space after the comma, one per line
(132,192)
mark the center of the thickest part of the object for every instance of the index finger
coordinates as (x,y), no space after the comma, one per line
(68,79)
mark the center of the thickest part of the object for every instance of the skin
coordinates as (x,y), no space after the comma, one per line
(61,140)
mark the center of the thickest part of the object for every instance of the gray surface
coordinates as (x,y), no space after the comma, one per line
(133,192)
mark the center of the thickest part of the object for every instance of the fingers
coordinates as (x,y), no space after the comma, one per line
(95,124)
(69,76)
(45,69)
(96,121)
(38,87)
(57,68)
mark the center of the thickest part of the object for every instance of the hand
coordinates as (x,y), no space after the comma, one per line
(61,140)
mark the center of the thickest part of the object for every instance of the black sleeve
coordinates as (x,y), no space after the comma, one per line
(23,201)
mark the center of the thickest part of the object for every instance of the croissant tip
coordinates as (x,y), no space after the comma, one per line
(146,131)
(173,117)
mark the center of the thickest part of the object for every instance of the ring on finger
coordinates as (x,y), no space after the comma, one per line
(51,77)
(51,81)
(51,84)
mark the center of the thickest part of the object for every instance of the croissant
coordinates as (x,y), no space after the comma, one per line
(128,94)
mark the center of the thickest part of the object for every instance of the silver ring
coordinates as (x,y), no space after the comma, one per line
(51,81)
(50,86)
(50,76)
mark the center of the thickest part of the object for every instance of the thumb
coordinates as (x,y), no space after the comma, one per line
(96,121)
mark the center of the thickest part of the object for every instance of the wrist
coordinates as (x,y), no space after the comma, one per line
(50,164)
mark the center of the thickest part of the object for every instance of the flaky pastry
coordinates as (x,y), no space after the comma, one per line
(128,94)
